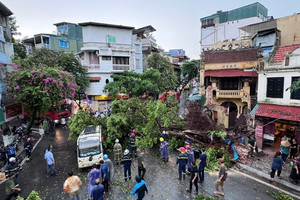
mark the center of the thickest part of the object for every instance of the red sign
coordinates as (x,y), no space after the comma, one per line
(259,131)
(13,110)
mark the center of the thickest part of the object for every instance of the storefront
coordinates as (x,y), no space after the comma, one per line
(273,122)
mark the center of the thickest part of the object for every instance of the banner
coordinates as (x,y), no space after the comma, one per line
(13,110)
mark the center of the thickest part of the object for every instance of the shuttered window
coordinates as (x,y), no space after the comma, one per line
(275,87)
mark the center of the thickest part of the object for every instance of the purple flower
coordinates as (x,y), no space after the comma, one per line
(17,87)
(8,87)
(14,66)
(32,72)
(18,78)
(15,96)
(54,81)
(73,89)
(68,83)
(41,75)
(61,84)
(46,80)
(73,94)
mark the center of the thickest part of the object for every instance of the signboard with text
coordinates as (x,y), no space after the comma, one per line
(259,131)
(13,110)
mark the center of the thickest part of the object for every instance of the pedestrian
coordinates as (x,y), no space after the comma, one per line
(97,192)
(51,162)
(13,168)
(52,126)
(182,161)
(253,146)
(141,164)
(117,152)
(132,144)
(187,142)
(41,129)
(221,178)
(110,167)
(285,149)
(105,174)
(28,148)
(63,123)
(92,176)
(72,186)
(295,173)
(10,151)
(164,149)
(126,162)
(276,165)
(202,164)
(194,178)
(140,188)
(164,136)
(46,125)
(47,167)
(191,158)
(11,188)
(294,149)
(102,115)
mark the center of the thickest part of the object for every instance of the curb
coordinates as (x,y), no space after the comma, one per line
(24,160)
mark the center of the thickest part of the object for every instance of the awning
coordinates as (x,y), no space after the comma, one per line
(95,78)
(231,73)
(290,113)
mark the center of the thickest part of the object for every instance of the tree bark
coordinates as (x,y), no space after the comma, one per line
(32,118)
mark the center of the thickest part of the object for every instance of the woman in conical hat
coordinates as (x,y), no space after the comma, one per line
(285,149)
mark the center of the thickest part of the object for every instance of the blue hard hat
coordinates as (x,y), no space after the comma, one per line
(105,156)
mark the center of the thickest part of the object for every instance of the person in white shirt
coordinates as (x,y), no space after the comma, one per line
(63,123)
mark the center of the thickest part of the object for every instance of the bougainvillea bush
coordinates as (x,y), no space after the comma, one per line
(40,88)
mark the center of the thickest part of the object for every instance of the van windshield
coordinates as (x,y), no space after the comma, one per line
(89,146)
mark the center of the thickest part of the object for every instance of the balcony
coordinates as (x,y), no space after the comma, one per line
(121,67)
(93,68)
(233,94)
(41,45)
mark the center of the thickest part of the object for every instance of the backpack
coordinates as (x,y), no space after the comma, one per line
(224,177)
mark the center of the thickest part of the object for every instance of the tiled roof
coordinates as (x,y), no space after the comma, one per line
(279,55)
(290,113)
(231,56)
(230,73)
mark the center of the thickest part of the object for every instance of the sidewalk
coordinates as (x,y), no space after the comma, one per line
(262,168)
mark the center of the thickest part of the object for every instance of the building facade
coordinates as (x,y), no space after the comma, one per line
(108,49)
(228,80)
(277,112)
(68,38)
(224,25)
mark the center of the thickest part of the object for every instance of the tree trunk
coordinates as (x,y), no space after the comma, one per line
(32,118)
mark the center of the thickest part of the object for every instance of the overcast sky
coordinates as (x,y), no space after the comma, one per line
(177,22)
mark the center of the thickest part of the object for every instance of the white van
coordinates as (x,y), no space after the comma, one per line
(89,146)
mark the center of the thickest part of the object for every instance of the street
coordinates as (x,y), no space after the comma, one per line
(161,179)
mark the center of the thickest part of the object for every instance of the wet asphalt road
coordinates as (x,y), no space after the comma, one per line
(161,179)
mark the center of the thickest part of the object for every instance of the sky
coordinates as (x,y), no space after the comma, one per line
(177,22)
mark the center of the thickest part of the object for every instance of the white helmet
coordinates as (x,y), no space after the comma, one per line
(12,159)
(126,152)
(117,141)
(164,132)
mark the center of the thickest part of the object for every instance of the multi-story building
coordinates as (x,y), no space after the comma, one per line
(68,38)
(108,49)
(224,25)
(277,113)
(228,80)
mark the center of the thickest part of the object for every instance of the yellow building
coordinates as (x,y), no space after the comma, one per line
(289,27)
(228,79)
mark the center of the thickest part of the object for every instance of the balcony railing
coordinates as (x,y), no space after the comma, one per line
(121,67)
(41,45)
(229,94)
(93,68)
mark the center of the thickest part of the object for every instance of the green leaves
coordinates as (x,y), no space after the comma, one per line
(279,195)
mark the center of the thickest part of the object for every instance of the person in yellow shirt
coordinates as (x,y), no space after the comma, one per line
(72,186)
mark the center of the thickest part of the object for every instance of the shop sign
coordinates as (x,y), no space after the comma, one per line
(97,98)
(13,110)
(269,137)
(259,131)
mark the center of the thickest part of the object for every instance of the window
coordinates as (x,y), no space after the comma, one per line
(275,87)
(106,57)
(229,83)
(295,94)
(64,44)
(93,58)
(121,60)
(137,61)
(2,48)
